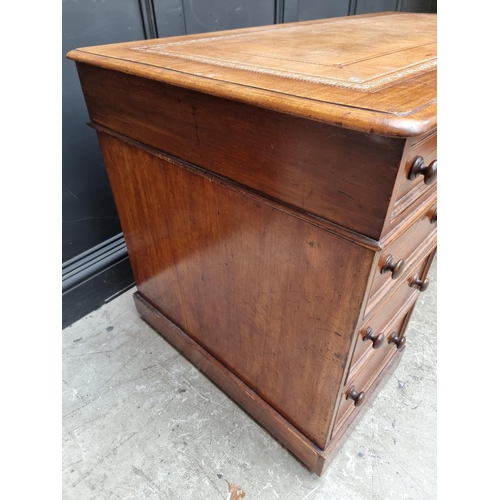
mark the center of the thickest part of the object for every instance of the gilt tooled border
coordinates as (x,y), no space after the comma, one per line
(372,84)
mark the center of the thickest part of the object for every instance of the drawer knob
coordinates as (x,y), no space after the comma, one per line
(422,285)
(399,341)
(377,340)
(434,217)
(390,265)
(357,397)
(419,168)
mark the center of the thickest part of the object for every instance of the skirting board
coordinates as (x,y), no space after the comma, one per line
(93,278)
(307,452)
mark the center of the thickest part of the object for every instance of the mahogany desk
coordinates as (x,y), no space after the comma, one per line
(276,189)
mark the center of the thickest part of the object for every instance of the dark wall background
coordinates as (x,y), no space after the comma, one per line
(95,262)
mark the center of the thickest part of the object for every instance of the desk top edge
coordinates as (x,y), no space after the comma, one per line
(401,102)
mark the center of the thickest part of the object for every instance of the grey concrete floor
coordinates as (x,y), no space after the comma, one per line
(140,422)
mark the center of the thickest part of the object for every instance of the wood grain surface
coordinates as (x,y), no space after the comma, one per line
(374,73)
(262,181)
(340,175)
(274,298)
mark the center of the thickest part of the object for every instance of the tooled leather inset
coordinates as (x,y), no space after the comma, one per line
(317,54)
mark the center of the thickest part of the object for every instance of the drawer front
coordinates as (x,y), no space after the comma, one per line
(415,283)
(363,376)
(383,324)
(363,384)
(343,176)
(408,191)
(395,260)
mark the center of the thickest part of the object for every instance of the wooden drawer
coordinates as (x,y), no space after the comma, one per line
(256,209)
(396,302)
(364,374)
(401,251)
(363,384)
(382,323)
(407,191)
(321,169)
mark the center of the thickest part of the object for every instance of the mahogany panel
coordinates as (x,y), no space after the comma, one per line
(340,175)
(273,298)
(297,443)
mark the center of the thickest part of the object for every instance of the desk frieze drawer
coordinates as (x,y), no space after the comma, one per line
(291,159)
(418,173)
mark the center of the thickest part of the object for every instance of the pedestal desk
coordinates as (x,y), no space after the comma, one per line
(276,190)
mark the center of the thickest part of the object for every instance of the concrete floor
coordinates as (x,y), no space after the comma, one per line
(140,422)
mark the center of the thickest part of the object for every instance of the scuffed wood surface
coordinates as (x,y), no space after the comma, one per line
(369,73)
(271,297)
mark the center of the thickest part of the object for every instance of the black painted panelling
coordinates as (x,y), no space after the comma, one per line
(169,18)
(203,16)
(291,11)
(92,262)
(415,6)
(89,214)
(303,10)
(96,291)
(370,6)
(306,10)
(148,18)
(279,10)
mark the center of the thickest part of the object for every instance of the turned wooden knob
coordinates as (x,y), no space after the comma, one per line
(377,340)
(390,265)
(357,397)
(419,168)
(422,285)
(434,217)
(399,341)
